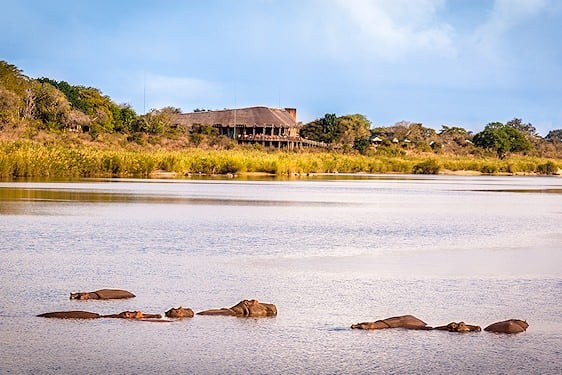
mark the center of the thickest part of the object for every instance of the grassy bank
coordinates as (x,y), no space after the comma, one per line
(30,159)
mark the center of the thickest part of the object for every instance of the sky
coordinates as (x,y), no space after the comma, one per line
(437,62)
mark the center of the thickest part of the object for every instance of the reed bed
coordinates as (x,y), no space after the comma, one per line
(30,159)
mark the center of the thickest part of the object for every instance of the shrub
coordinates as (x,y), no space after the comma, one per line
(547,168)
(429,166)
(489,168)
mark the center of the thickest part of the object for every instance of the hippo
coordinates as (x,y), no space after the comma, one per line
(133,315)
(404,321)
(245,308)
(180,312)
(459,327)
(71,315)
(508,326)
(102,294)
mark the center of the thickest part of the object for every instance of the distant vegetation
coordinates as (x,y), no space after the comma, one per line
(53,128)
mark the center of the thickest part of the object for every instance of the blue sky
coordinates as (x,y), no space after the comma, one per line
(438,62)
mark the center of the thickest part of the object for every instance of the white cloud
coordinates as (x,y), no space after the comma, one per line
(505,15)
(393,29)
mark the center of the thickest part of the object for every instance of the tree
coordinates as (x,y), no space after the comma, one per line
(10,105)
(502,139)
(12,78)
(97,106)
(156,122)
(313,131)
(352,128)
(528,129)
(361,145)
(51,106)
(554,135)
(342,130)
(126,118)
(104,114)
(329,125)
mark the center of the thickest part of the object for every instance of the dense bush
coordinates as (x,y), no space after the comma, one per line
(547,168)
(429,166)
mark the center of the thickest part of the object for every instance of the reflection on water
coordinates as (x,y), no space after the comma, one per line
(328,251)
(41,195)
(541,191)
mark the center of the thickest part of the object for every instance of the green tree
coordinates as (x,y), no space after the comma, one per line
(330,127)
(98,107)
(361,144)
(337,130)
(126,118)
(314,131)
(104,114)
(502,139)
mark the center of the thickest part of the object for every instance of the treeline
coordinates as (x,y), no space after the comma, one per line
(29,106)
(46,104)
(355,132)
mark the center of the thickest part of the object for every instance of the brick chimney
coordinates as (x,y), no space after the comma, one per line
(293,113)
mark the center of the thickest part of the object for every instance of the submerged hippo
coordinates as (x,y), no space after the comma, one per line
(133,315)
(245,308)
(459,327)
(180,312)
(508,326)
(404,321)
(102,294)
(70,315)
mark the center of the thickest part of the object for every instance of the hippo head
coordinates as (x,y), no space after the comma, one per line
(80,296)
(253,308)
(256,308)
(179,312)
(453,326)
(131,315)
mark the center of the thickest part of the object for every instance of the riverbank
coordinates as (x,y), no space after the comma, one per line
(30,159)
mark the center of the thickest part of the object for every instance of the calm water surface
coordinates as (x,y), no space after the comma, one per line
(327,251)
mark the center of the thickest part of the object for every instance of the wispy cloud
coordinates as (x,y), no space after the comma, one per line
(392,29)
(505,16)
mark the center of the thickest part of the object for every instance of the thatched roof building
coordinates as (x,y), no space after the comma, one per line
(249,117)
(270,127)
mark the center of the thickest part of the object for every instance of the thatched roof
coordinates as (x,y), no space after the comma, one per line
(252,116)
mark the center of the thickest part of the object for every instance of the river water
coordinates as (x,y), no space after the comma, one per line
(329,251)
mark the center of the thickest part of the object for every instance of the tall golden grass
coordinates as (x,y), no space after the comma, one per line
(31,159)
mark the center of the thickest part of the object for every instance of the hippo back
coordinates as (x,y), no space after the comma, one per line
(70,315)
(113,294)
(405,321)
(508,326)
